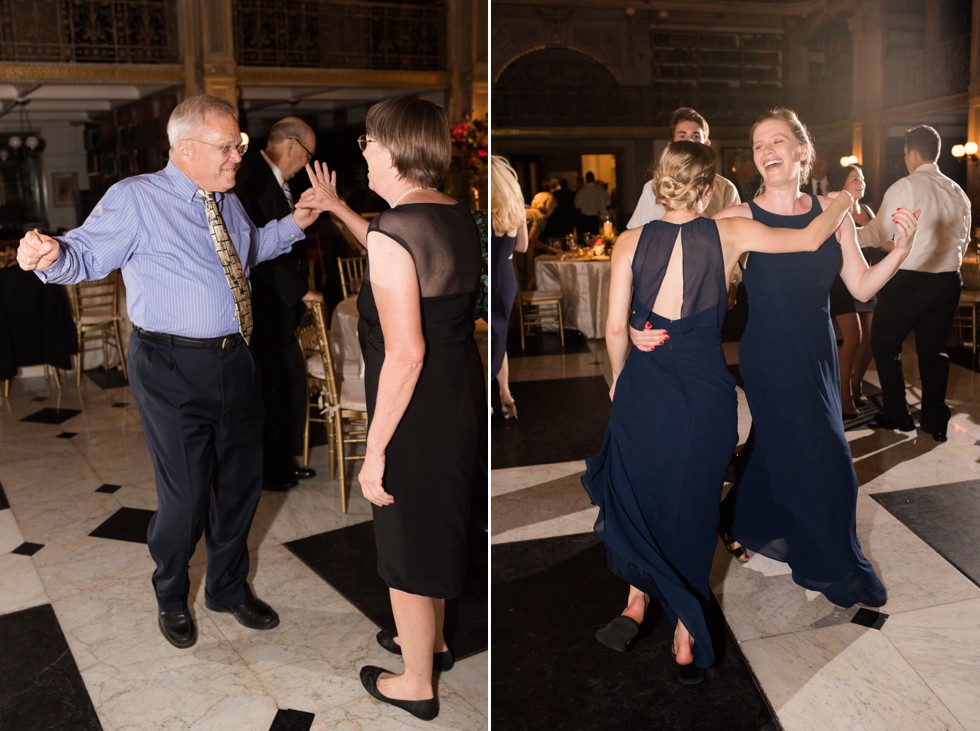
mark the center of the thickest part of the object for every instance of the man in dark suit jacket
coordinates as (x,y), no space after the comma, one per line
(280,295)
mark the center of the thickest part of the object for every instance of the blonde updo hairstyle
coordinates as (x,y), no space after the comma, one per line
(788,117)
(545,202)
(682,172)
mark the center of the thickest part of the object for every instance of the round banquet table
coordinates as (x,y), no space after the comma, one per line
(584,284)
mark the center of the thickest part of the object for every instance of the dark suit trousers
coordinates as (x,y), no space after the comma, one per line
(924,304)
(202,416)
(284,394)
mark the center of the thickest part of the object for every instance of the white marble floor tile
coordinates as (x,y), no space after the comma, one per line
(941,643)
(507,480)
(843,678)
(20,586)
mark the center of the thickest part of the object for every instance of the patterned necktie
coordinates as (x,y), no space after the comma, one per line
(231,264)
(287,191)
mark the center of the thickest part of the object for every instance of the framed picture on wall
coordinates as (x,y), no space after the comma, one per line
(65,189)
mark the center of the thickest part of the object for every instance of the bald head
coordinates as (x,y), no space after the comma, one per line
(291,142)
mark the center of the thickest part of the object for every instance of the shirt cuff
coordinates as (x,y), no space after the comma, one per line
(56,271)
(289,232)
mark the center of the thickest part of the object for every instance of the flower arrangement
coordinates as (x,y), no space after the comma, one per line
(602,245)
(470,144)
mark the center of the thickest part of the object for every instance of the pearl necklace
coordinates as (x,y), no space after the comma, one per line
(409,192)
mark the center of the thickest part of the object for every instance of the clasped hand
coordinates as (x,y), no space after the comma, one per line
(321,197)
(37,251)
(907,223)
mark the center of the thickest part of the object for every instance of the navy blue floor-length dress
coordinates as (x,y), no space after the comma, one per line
(657,479)
(796,489)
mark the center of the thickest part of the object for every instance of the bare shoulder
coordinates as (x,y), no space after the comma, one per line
(742,210)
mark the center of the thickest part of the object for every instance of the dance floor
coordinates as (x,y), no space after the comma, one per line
(912,666)
(79,643)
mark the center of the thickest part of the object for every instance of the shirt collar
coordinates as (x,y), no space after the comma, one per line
(275,169)
(183,187)
(927,167)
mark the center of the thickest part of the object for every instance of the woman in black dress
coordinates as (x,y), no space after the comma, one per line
(424,385)
(509,236)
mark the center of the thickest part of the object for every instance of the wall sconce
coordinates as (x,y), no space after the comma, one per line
(968,150)
(849,160)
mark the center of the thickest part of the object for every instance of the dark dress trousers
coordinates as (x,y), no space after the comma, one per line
(278,287)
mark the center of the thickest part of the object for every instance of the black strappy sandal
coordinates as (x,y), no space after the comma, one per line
(740,554)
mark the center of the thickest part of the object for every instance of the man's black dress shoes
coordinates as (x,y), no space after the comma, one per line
(303,473)
(178,628)
(252,613)
(279,484)
(904,423)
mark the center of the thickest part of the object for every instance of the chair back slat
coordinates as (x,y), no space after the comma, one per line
(351,273)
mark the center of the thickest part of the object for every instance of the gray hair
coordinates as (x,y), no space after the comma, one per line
(289,128)
(193,112)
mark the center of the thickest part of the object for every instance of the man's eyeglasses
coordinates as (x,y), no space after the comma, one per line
(225,150)
(362,142)
(309,155)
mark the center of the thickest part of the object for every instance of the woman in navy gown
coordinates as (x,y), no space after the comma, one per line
(509,235)
(795,495)
(658,508)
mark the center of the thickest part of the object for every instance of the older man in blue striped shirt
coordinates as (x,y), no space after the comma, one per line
(194,379)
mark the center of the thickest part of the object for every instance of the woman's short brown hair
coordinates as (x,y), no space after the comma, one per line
(416,133)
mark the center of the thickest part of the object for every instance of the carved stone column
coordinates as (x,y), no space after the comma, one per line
(217,50)
(868,128)
(973,112)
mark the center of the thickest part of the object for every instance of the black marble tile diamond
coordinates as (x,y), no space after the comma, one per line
(40,686)
(28,549)
(289,720)
(51,416)
(544,343)
(559,420)
(67,435)
(126,524)
(549,598)
(947,517)
(111,378)
(107,488)
(4,504)
(40,398)
(347,559)
(869,618)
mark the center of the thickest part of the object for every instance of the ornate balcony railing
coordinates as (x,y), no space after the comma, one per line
(342,34)
(89,31)
(932,73)
(517,107)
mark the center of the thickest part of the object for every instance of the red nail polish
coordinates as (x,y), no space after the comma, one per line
(647,326)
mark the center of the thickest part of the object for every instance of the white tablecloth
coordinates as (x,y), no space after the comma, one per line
(585,291)
(344,346)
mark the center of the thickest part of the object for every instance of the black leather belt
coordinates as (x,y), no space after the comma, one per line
(222,343)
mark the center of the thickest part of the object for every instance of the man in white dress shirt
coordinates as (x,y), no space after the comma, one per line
(685,124)
(923,295)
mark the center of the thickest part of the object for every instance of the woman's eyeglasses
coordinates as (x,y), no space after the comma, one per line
(362,142)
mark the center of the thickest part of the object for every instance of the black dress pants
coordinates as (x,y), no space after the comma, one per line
(924,304)
(283,370)
(202,416)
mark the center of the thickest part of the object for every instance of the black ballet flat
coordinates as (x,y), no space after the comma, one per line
(618,634)
(441,661)
(425,710)
(690,675)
